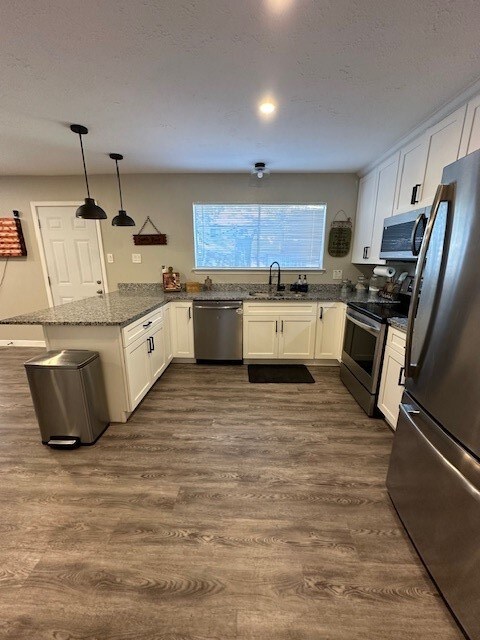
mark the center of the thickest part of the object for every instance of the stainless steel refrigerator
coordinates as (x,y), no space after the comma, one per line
(434,473)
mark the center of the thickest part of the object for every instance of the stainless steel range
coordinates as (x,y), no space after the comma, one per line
(363,347)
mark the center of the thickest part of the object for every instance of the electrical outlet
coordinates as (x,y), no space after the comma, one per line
(337,274)
(136,257)
(110,257)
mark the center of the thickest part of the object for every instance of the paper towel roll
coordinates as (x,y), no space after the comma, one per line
(385,272)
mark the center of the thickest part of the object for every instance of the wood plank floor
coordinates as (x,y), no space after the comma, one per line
(222,510)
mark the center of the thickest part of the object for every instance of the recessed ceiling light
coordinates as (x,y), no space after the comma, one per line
(267,108)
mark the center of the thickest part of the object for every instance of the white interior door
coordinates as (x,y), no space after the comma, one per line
(72,253)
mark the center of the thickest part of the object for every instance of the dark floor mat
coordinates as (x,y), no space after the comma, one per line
(281,373)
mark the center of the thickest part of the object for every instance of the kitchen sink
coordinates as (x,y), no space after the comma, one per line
(285,295)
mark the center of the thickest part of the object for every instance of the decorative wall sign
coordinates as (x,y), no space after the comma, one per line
(340,236)
(149,238)
(12,242)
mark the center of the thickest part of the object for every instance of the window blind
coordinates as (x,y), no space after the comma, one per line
(252,236)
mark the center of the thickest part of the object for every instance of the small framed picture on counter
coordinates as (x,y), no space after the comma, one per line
(171,280)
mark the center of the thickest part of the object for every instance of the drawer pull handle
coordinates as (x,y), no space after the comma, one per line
(400,376)
(147,324)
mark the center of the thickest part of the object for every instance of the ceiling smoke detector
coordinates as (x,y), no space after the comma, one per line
(260,170)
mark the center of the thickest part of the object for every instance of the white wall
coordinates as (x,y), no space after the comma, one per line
(167,199)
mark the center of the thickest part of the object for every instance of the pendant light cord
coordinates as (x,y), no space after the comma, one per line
(119,185)
(84,165)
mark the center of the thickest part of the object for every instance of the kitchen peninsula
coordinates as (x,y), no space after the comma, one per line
(138,330)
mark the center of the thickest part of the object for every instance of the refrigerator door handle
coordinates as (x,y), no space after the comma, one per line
(444,193)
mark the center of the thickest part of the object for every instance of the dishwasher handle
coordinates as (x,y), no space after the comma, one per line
(199,306)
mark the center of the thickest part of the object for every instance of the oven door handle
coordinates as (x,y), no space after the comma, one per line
(373,330)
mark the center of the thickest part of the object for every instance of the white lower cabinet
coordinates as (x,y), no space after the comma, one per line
(145,359)
(167,328)
(330,329)
(296,337)
(392,380)
(279,331)
(260,336)
(139,371)
(299,331)
(181,324)
(157,352)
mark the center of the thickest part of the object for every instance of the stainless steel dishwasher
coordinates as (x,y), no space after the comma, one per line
(218,329)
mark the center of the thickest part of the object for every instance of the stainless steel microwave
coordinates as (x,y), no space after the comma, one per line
(403,234)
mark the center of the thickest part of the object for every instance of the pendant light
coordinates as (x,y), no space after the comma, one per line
(122,220)
(89,210)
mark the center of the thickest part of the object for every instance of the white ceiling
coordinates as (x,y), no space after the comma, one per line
(174,85)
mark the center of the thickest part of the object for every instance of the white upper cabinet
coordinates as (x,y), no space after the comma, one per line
(386,183)
(413,158)
(443,140)
(422,161)
(364,218)
(375,203)
(471,130)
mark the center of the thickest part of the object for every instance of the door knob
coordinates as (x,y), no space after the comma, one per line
(99,291)
(99,282)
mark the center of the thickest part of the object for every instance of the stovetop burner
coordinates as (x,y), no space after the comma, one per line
(380,311)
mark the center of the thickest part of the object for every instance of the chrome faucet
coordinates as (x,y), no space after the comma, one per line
(280,287)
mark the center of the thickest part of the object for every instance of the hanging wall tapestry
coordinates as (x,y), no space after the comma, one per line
(340,236)
(12,242)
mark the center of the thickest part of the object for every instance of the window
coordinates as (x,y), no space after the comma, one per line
(252,236)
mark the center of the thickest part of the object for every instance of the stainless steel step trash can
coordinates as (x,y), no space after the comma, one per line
(69,397)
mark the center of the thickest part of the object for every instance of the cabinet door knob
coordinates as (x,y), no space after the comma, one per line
(99,291)
(99,282)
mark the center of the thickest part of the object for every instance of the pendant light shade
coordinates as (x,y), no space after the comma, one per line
(90,210)
(122,219)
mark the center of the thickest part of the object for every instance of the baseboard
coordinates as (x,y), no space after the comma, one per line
(308,363)
(22,343)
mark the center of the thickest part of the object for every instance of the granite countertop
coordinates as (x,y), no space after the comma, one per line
(399,323)
(131,302)
(110,309)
